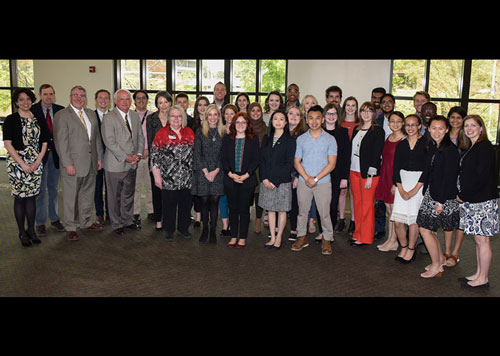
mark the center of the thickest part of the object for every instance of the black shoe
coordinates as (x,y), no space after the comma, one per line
(185,234)
(25,240)
(169,236)
(340,226)
(204,235)
(33,238)
(57,224)
(403,261)
(119,231)
(351,228)
(137,220)
(133,226)
(151,217)
(379,235)
(225,232)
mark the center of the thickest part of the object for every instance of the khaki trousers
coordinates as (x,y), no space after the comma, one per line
(322,194)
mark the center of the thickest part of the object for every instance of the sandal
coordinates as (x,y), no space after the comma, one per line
(452,261)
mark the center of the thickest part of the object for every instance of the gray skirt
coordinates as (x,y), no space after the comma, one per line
(277,199)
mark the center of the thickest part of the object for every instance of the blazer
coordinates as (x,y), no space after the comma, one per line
(344,147)
(478,173)
(250,160)
(276,162)
(72,141)
(441,172)
(37,110)
(370,151)
(99,124)
(119,142)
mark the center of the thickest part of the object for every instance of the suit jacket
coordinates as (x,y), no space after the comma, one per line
(250,160)
(72,141)
(100,132)
(37,110)
(276,162)
(119,142)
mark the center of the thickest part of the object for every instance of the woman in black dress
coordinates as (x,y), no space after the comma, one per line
(207,176)
(25,138)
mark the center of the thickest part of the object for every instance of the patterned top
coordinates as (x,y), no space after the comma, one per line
(238,154)
(173,157)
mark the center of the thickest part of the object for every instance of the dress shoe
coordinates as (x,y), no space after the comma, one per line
(33,238)
(169,236)
(133,226)
(72,235)
(58,226)
(40,230)
(95,227)
(359,244)
(25,240)
(119,231)
(185,234)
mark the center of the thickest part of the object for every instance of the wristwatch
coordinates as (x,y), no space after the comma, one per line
(316,179)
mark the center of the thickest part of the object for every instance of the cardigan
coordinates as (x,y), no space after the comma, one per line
(441,172)
(12,130)
(343,165)
(408,159)
(250,162)
(477,174)
(370,150)
(276,162)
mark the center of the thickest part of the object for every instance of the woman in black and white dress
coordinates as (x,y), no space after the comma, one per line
(439,207)
(276,162)
(478,196)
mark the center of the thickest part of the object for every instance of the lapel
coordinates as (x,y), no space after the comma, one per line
(122,120)
(77,118)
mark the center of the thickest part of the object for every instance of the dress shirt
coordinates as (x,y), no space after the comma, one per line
(87,121)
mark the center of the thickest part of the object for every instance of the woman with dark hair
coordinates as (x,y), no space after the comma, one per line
(242,101)
(409,163)
(367,145)
(455,117)
(276,162)
(439,207)
(273,102)
(240,157)
(25,138)
(478,196)
(155,122)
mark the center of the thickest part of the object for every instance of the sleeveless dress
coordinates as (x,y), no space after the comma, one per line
(383,191)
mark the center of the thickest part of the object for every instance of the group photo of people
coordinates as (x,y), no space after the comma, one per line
(295,168)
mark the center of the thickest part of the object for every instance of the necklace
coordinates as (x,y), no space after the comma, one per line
(213,132)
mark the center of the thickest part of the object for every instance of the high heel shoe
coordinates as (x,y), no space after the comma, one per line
(403,261)
(399,259)
(437,275)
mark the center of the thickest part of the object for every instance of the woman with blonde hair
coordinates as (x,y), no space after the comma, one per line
(207,179)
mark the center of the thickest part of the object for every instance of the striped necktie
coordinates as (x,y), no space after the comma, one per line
(83,120)
(128,125)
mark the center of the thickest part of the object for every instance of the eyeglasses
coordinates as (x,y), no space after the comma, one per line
(387,102)
(79,95)
(331,114)
(366,111)
(240,122)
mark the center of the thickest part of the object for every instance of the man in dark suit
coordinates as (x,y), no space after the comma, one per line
(102,100)
(46,109)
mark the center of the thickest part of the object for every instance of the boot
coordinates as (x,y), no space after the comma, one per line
(204,234)
(340,225)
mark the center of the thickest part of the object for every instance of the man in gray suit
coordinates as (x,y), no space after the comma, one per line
(122,134)
(77,142)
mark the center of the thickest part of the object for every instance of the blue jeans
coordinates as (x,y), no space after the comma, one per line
(50,181)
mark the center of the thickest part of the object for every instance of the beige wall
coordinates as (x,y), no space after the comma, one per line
(65,74)
(355,77)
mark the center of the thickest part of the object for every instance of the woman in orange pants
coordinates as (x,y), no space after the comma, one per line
(367,145)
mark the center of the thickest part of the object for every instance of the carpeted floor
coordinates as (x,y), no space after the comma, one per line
(143,264)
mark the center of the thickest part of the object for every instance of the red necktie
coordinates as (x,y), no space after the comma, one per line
(49,121)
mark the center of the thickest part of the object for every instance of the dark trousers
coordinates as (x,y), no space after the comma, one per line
(239,199)
(100,188)
(176,207)
(292,214)
(157,199)
(334,204)
(380,212)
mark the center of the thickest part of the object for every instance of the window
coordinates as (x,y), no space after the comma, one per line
(13,74)
(471,84)
(197,77)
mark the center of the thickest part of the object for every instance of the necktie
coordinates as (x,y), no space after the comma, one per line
(128,125)
(49,121)
(83,120)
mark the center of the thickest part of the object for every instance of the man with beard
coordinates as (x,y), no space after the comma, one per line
(387,103)
(377,94)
